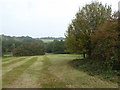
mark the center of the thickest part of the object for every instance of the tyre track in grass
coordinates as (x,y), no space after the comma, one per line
(7,59)
(48,79)
(10,59)
(13,75)
(12,66)
(12,62)
(29,77)
(38,75)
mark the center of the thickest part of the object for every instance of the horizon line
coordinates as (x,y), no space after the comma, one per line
(32,36)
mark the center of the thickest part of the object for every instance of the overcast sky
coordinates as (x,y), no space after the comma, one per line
(40,18)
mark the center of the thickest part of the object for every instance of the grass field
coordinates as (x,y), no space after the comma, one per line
(47,40)
(48,71)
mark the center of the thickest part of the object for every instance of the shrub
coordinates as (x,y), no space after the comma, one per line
(57,47)
(29,49)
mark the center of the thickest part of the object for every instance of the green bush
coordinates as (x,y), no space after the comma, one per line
(94,68)
(29,49)
(57,47)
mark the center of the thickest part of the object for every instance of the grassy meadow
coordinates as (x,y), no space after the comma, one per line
(48,71)
(47,40)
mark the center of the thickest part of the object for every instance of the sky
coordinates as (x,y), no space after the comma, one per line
(40,18)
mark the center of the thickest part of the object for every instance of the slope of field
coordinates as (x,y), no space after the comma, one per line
(48,71)
(47,40)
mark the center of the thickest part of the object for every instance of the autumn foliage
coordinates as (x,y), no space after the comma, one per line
(105,42)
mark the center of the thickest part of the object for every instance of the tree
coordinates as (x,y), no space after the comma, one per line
(105,42)
(10,43)
(86,22)
(49,47)
(56,46)
(29,49)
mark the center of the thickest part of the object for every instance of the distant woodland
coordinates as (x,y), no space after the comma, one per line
(25,45)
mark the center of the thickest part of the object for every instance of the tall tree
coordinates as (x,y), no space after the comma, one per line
(86,22)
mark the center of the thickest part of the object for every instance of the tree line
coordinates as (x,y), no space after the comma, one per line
(53,38)
(28,46)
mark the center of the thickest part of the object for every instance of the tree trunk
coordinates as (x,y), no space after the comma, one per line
(89,49)
(84,55)
(118,36)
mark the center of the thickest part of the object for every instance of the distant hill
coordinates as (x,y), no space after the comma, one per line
(53,38)
(30,39)
(23,39)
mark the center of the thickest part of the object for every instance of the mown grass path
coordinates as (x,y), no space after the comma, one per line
(48,71)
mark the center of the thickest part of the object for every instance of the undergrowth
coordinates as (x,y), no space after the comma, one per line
(94,68)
